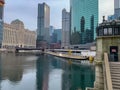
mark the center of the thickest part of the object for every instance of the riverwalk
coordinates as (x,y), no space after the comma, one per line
(68,56)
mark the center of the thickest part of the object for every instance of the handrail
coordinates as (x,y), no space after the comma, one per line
(107,72)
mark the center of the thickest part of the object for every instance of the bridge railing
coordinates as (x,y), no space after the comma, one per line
(107,74)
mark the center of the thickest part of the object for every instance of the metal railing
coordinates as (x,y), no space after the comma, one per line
(107,74)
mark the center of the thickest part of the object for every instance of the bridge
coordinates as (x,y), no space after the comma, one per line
(28,49)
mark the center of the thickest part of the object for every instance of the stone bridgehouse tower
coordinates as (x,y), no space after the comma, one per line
(108,41)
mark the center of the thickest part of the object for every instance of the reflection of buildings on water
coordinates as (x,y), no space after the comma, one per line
(75,76)
(0,73)
(11,67)
(56,63)
(71,77)
(82,76)
(42,74)
(66,77)
(39,74)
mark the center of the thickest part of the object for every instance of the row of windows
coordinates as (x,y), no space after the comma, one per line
(108,31)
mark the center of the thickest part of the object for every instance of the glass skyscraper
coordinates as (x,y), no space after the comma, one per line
(117,9)
(43,23)
(1,21)
(84,19)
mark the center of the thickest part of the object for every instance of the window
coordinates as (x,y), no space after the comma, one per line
(100,32)
(116,31)
(110,31)
(105,31)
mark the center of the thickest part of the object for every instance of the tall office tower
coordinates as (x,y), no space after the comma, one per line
(1,21)
(83,20)
(117,9)
(43,24)
(58,33)
(51,30)
(51,33)
(65,28)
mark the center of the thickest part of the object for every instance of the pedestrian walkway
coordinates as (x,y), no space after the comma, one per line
(67,56)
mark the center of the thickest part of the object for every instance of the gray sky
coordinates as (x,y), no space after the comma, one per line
(26,10)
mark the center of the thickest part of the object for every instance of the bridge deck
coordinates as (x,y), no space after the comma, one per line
(28,48)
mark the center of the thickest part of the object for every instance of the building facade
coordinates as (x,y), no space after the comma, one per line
(51,30)
(117,9)
(43,24)
(1,32)
(83,17)
(1,21)
(65,29)
(58,32)
(111,17)
(15,35)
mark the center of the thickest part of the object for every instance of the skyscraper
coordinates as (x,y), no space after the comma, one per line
(65,28)
(117,8)
(43,23)
(1,21)
(51,30)
(84,16)
(58,32)
(111,17)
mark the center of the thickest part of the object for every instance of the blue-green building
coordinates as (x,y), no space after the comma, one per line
(1,21)
(84,18)
(56,38)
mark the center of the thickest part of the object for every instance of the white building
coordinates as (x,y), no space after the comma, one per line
(65,29)
(15,35)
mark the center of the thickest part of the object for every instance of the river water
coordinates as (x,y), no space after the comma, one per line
(44,72)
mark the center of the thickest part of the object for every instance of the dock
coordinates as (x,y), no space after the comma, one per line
(68,56)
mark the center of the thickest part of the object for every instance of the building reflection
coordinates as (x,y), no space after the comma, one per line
(82,76)
(66,77)
(0,72)
(71,76)
(11,67)
(77,76)
(42,74)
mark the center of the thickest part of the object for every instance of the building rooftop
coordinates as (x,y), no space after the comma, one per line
(108,28)
(113,22)
(17,21)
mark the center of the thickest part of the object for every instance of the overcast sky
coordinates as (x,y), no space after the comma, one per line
(26,10)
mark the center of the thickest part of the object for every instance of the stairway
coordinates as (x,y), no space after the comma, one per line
(115,75)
